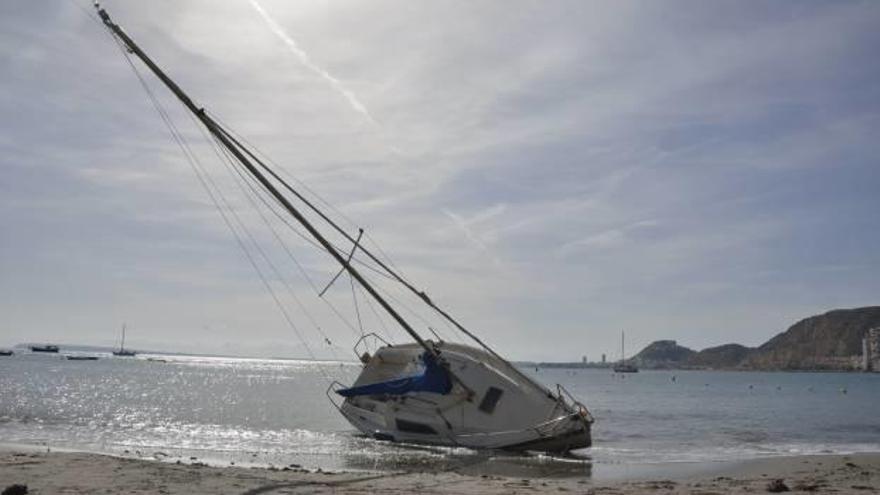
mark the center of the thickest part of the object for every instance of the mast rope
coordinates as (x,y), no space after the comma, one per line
(253,151)
(357,309)
(387,293)
(379,318)
(231,168)
(393,274)
(204,179)
(256,192)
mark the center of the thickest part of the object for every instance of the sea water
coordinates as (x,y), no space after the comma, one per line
(278,412)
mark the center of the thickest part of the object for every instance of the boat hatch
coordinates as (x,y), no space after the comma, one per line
(490,400)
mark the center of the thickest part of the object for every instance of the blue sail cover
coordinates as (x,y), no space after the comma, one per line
(433,379)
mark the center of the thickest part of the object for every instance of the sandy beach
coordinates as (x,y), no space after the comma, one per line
(84,473)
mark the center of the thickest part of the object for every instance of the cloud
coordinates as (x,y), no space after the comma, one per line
(607,238)
(565,169)
(304,58)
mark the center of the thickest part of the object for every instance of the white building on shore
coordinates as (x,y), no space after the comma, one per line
(871,350)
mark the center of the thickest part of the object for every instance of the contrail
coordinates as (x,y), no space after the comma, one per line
(304,58)
(469,234)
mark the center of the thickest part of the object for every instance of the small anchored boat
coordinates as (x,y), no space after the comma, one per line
(122,350)
(45,348)
(623,366)
(70,357)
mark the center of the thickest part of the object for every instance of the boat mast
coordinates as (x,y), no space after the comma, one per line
(222,136)
(420,293)
(122,345)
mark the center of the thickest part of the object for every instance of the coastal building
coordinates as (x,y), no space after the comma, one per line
(871,350)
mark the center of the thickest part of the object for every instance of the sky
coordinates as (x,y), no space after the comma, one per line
(552,173)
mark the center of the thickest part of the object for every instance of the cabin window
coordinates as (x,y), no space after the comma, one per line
(490,400)
(413,427)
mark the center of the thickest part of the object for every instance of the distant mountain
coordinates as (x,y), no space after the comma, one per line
(663,354)
(830,341)
(722,357)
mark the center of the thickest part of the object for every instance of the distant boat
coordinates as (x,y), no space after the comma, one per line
(82,358)
(623,366)
(6,352)
(122,351)
(44,348)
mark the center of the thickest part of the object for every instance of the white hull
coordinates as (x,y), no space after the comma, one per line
(519,414)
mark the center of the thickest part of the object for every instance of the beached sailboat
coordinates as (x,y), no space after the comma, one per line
(623,366)
(122,350)
(426,390)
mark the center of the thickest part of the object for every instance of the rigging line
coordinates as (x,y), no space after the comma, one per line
(385,255)
(253,154)
(284,171)
(398,277)
(232,168)
(314,244)
(388,293)
(290,254)
(357,309)
(315,209)
(195,165)
(379,317)
(311,242)
(405,306)
(253,262)
(255,150)
(292,257)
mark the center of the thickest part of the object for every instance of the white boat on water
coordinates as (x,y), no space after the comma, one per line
(424,391)
(123,352)
(624,366)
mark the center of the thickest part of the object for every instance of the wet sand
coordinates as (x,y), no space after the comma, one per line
(82,473)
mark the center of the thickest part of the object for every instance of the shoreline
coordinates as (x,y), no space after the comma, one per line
(80,473)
